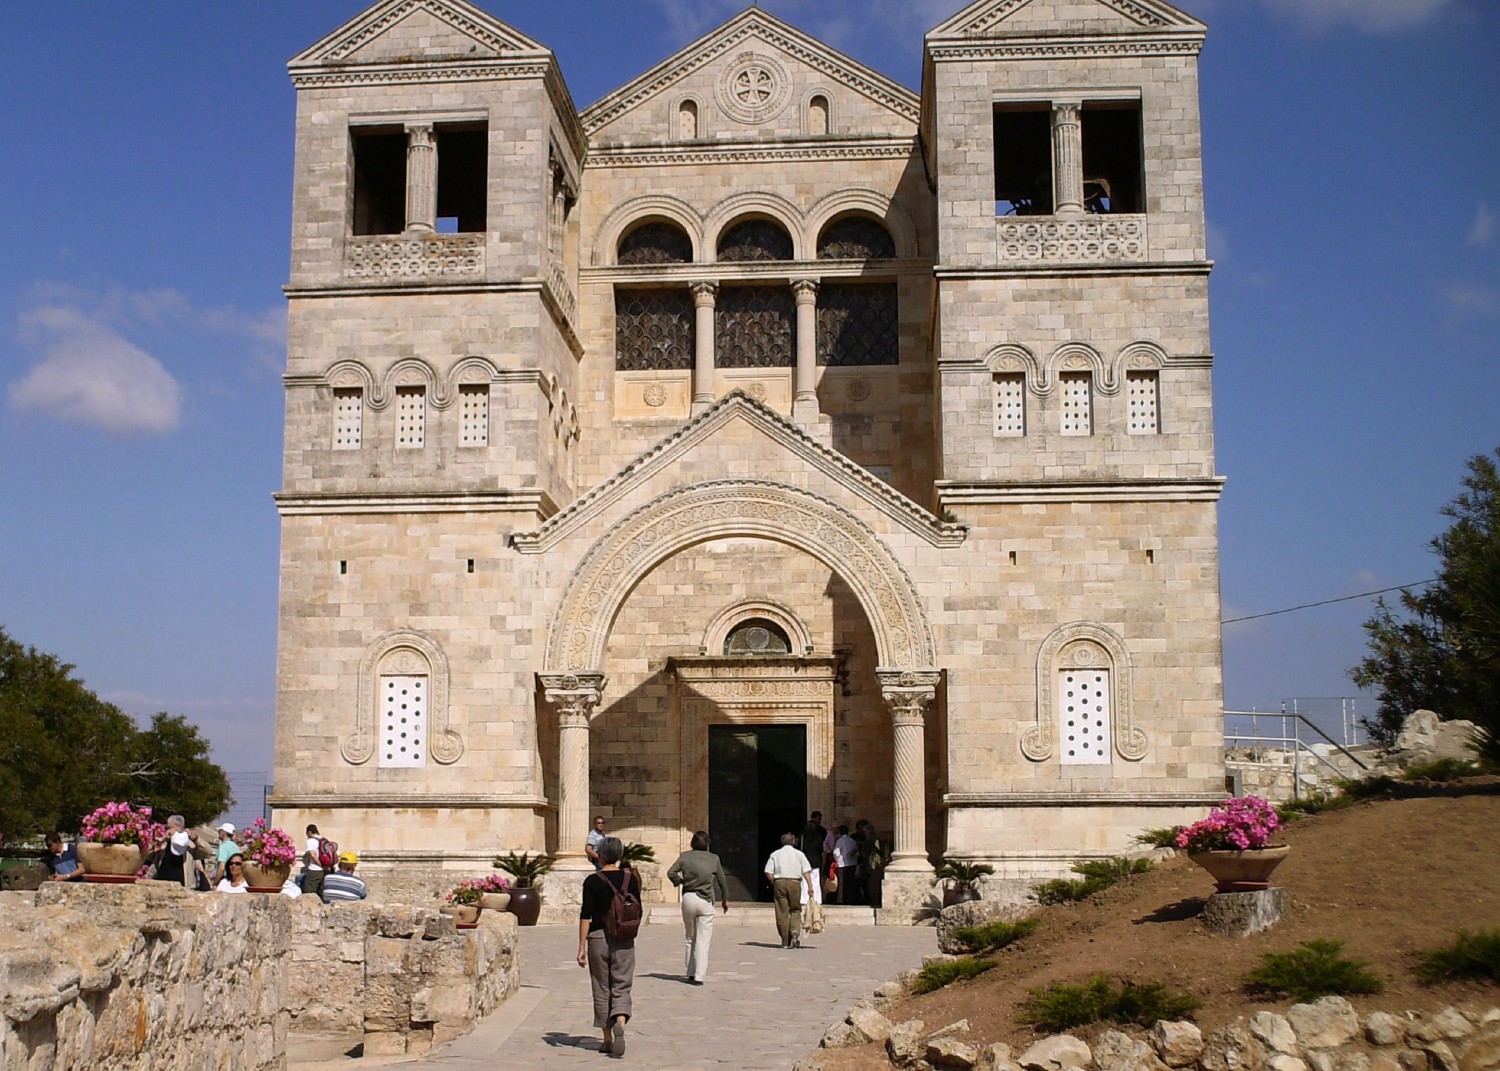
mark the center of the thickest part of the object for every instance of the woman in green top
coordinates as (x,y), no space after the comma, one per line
(701,877)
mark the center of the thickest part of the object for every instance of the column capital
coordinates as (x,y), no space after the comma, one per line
(704,294)
(1066,111)
(418,134)
(805,290)
(575,695)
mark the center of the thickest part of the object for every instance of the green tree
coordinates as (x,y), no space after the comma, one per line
(64,751)
(1443,653)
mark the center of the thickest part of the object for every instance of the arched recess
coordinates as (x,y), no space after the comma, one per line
(679,519)
(471,371)
(719,629)
(1084,643)
(409,652)
(1009,357)
(639,210)
(1139,357)
(344,374)
(407,372)
(732,209)
(814,101)
(890,214)
(1079,357)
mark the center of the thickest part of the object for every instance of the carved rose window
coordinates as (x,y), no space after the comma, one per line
(754,327)
(757,636)
(857,324)
(755,239)
(855,238)
(653,330)
(657,242)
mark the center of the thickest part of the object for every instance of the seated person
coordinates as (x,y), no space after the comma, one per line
(342,884)
(60,861)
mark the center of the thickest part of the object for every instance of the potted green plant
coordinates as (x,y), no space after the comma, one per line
(1234,844)
(526,872)
(961,879)
(642,859)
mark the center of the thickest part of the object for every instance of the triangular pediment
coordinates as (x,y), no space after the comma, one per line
(754,32)
(407,31)
(1064,18)
(765,445)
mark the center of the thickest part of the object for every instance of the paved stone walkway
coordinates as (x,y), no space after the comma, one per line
(761,1008)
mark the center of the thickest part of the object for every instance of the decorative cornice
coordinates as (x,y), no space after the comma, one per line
(694,155)
(952,493)
(529,502)
(739,405)
(366,27)
(419,74)
(424,801)
(1065,797)
(761,271)
(1043,271)
(752,24)
(987,18)
(512,286)
(1042,48)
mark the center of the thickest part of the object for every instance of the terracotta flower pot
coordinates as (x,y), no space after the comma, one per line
(526,904)
(496,901)
(109,862)
(463,914)
(266,879)
(1241,871)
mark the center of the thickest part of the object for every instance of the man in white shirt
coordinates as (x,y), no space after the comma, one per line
(312,870)
(846,855)
(790,873)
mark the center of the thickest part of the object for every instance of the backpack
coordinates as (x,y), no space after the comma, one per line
(623,919)
(328,853)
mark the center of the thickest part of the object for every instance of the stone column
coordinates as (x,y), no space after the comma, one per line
(575,696)
(703,348)
(908,693)
(1067,156)
(421,179)
(805,397)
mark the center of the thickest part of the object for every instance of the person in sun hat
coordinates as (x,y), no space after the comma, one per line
(342,884)
(227,847)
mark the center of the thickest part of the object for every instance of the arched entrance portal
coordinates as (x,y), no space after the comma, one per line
(574,678)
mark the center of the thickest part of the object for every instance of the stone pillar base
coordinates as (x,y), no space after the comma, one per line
(908,896)
(1239,914)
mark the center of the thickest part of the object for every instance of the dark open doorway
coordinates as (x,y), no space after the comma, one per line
(757,790)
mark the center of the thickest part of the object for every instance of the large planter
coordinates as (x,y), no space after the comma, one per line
(465,915)
(526,904)
(266,879)
(496,901)
(1236,871)
(109,862)
(960,892)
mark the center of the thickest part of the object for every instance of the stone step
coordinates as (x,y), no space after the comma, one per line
(747,914)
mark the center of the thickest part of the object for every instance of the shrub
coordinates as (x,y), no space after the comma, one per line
(1166,837)
(1062,1006)
(1066,890)
(936,975)
(1448,769)
(1471,955)
(1098,875)
(992,936)
(1314,969)
(1115,868)
(638,853)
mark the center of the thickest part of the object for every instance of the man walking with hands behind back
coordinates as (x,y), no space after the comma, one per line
(790,874)
(701,876)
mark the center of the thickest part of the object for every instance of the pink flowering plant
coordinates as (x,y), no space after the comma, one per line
(1234,825)
(269,846)
(470,890)
(120,823)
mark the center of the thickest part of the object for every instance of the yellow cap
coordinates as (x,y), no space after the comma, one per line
(348,858)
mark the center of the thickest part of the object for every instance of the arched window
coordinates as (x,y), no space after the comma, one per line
(855,238)
(755,239)
(687,120)
(656,242)
(757,636)
(817,115)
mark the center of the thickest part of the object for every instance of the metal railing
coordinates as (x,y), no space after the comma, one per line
(1286,731)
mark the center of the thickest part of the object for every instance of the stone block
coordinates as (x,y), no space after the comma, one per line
(1324,1024)
(1178,1044)
(1055,1053)
(1241,914)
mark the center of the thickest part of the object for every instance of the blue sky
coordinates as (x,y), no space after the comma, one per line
(1352,152)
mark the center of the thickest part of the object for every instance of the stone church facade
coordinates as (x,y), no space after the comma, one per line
(763,437)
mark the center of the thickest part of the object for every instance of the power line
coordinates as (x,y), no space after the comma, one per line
(1328,602)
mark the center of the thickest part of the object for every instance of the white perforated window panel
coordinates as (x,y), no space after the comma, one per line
(474,416)
(348,417)
(1010,404)
(1141,393)
(1083,716)
(403,721)
(1077,389)
(411,418)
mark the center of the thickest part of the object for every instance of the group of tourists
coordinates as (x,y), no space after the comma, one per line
(846,859)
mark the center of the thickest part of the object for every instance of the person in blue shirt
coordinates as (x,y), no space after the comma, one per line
(342,884)
(61,860)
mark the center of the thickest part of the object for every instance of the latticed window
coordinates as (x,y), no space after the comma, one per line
(1141,397)
(855,238)
(653,330)
(1010,403)
(411,418)
(1077,390)
(757,636)
(755,239)
(1083,716)
(656,242)
(403,720)
(474,415)
(754,327)
(348,417)
(857,324)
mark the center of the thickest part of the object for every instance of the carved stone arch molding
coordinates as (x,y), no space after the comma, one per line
(1009,357)
(719,629)
(1079,357)
(345,374)
(1084,645)
(409,652)
(730,211)
(407,372)
(859,199)
(1139,357)
(468,372)
(653,206)
(617,561)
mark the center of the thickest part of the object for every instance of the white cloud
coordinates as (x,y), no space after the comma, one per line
(1483,230)
(91,374)
(1373,16)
